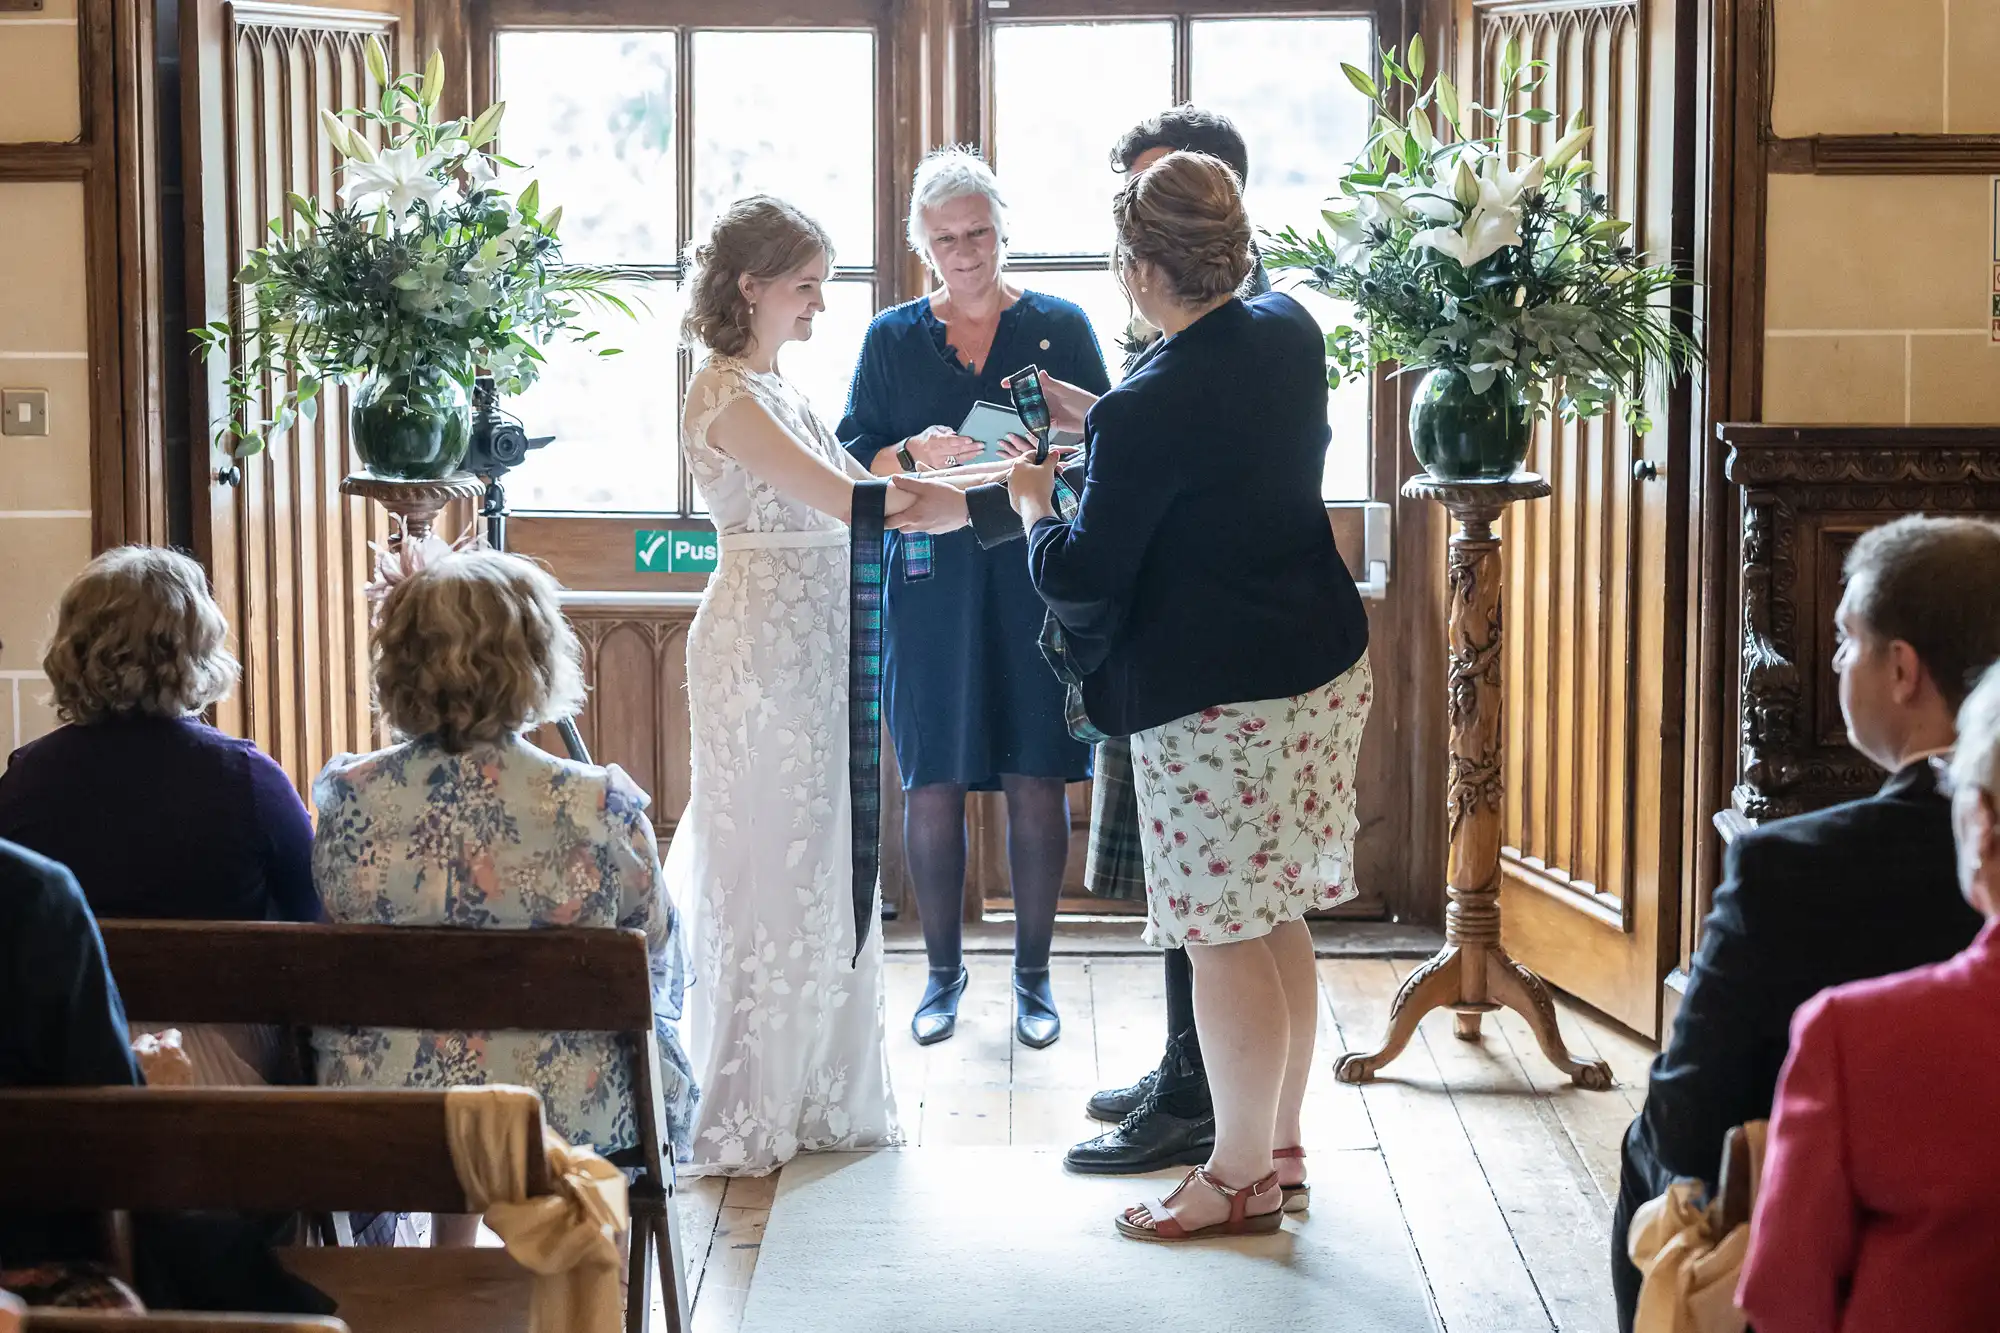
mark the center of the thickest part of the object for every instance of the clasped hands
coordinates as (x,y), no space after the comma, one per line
(939,505)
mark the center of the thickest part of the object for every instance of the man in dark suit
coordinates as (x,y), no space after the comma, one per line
(61,1024)
(1166,1118)
(1857,890)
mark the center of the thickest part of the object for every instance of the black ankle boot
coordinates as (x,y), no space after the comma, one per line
(1181,1083)
(1036,1021)
(1179,1080)
(937,1015)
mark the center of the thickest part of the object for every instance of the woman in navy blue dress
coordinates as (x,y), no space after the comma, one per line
(972,706)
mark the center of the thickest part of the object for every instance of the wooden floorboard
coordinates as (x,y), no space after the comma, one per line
(1477,1275)
(1545,1191)
(1504,1172)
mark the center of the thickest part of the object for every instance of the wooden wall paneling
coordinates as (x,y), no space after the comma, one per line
(442,26)
(1594,657)
(289,555)
(636,713)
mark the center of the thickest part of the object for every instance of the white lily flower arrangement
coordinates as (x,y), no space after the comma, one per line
(420,263)
(1457,252)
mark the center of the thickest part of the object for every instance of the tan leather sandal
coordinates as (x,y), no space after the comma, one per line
(1298,1197)
(1159,1223)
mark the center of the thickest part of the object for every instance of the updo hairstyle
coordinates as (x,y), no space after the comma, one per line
(1184,216)
(761,236)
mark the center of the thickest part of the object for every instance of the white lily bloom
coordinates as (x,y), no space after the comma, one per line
(399,179)
(1486,232)
(1501,188)
(479,170)
(1429,201)
(1353,245)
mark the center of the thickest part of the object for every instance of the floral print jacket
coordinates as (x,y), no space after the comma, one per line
(501,837)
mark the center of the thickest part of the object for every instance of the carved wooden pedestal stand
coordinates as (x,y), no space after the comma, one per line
(413,504)
(1472,974)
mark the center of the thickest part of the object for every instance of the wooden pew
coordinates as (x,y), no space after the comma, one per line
(275,1150)
(115,1321)
(429,977)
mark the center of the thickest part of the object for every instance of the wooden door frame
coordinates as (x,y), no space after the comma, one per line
(113,160)
(1744,151)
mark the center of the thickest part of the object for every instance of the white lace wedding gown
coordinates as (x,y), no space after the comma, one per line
(784,1028)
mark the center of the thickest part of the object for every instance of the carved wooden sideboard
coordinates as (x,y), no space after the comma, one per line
(1807,493)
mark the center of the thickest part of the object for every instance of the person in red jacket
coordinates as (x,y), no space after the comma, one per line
(1880,1202)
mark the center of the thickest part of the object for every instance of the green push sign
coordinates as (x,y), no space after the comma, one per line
(674,551)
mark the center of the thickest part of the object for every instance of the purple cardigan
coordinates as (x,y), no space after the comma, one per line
(164,818)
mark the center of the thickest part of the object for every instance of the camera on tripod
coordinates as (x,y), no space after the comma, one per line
(500,442)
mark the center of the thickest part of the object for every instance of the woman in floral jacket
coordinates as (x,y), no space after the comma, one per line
(467,824)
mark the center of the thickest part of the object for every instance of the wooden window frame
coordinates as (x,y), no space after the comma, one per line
(1385,406)
(587,546)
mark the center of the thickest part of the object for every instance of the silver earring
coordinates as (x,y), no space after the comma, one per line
(753,309)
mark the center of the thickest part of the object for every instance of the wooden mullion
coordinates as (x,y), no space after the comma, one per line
(684,494)
(1072,11)
(1183,59)
(654,15)
(142,452)
(97,72)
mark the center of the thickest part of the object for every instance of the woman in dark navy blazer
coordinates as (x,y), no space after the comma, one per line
(1205,613)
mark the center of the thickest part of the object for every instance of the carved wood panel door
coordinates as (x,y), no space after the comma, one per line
(287,552)
(1593,585)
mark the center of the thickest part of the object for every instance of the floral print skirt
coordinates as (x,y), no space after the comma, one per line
(1247,813)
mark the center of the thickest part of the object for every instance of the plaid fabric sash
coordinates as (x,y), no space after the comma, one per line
(1055,648)
(864,698)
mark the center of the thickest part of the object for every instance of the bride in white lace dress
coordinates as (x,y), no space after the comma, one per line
(784,1021)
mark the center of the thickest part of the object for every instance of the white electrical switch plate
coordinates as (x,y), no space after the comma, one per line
(24,411)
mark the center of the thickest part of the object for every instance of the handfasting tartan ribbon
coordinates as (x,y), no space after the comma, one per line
(1055,647)
(864,697)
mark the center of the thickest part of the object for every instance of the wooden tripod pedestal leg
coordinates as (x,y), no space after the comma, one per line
(414,505)
(1472,974)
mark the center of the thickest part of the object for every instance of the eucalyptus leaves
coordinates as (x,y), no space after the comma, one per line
(1459,253)
(423,265)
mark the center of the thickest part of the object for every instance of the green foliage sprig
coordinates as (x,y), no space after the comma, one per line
(1457,252)
(422,264)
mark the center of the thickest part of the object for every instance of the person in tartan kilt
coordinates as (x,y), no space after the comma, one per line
(1167,1117)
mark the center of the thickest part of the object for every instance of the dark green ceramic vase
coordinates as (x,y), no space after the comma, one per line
(414,426)
(1459,435)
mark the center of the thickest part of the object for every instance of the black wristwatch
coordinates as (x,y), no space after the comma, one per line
(905,457)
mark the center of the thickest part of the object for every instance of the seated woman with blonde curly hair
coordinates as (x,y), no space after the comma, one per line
(464,823)
(209,828)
